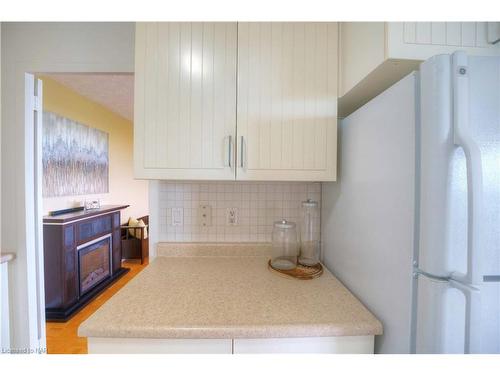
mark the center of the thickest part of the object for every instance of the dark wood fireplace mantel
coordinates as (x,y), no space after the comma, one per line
(64,236)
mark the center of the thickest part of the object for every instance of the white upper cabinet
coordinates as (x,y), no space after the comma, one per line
(287,101)
(225,101)
(185,101)
(375,55)
(421,40)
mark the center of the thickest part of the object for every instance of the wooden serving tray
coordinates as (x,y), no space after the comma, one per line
(301,272)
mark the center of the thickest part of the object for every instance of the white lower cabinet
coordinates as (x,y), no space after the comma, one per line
(105,345)
(332,345)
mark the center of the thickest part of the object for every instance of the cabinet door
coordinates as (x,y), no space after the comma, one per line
(128,345)
(185,100)
(422,40)
(315,345)
(287,101)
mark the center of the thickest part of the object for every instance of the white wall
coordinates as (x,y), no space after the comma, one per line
(38,48)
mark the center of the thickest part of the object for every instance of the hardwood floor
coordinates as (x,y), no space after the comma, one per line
(62,338)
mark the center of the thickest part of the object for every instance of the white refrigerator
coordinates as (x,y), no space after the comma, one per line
(412,225)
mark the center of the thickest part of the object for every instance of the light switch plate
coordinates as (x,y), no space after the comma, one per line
(205,215)
(177,216)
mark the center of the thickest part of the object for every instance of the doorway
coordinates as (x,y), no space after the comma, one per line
(81,110)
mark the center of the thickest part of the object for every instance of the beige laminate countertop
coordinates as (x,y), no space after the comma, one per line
(191,294)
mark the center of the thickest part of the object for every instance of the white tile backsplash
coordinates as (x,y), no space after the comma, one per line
(259,204)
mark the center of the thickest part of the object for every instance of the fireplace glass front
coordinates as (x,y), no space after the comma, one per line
(94,261)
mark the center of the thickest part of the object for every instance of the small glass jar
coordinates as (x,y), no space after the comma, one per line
(284,245)
(309,234)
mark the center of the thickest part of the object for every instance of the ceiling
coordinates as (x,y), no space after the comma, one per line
(113,91)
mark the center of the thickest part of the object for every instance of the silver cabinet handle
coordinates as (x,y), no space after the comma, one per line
(242,153)
(230,156)
(227,163)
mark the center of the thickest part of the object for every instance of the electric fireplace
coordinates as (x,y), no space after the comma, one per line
(82,257)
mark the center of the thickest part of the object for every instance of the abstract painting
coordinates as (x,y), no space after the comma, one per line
(75,158)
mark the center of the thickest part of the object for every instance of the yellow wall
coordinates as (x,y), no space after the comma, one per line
(123,189)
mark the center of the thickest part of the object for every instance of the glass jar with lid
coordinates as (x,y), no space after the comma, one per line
(309,234)
(284,245)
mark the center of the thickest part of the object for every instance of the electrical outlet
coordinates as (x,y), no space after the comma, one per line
(232,216)
(177,216)
(205,215)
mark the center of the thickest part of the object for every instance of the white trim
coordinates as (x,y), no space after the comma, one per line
(34,236)
(38,213)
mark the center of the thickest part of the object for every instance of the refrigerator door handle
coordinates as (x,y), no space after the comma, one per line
(472,341)
(463,138)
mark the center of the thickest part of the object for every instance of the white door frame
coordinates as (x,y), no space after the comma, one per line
(35,266)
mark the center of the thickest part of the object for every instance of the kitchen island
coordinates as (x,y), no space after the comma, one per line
(196,298)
